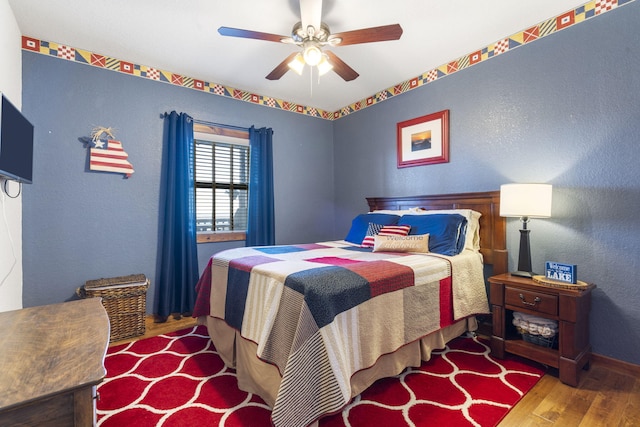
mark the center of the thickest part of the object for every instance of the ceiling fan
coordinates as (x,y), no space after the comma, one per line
(312,35)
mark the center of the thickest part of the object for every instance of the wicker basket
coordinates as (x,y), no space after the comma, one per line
(124,298)
(549,342)
(540,340)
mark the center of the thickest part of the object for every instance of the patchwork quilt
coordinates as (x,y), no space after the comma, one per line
(321,312)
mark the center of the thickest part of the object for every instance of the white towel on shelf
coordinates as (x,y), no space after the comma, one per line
(535,325)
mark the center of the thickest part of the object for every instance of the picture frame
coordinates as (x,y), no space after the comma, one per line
(423,140)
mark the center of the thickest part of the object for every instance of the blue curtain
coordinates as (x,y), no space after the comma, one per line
(175,290)
(260,217)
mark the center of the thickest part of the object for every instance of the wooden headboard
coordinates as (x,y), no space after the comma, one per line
(493,244)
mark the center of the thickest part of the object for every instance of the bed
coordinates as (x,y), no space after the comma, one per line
(308,327)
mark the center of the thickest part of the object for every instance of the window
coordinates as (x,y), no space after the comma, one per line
(222,184)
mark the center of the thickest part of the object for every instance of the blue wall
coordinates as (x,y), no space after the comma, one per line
(564,109)
(81,225)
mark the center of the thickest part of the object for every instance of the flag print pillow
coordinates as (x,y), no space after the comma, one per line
(383,230)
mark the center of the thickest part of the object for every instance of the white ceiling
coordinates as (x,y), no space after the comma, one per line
(180,36)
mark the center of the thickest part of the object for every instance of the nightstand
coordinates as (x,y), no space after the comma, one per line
(570,307)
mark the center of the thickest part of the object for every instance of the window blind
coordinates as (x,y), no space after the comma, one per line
(222,185)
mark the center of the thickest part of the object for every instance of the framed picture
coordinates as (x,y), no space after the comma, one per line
(424,140)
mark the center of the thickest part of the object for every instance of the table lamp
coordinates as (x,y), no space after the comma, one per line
(525,201)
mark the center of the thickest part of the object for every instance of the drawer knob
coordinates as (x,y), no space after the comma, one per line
(536,300)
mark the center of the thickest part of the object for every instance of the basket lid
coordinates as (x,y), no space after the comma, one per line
(116,281)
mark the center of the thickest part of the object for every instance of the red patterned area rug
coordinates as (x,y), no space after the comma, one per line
(178,379)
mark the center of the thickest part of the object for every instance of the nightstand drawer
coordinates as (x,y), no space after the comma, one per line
(531,300)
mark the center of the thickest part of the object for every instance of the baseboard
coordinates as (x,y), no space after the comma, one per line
(616,364)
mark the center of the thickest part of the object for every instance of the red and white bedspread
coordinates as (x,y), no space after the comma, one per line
(321,312)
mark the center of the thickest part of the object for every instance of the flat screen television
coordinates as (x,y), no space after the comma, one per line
(16,144)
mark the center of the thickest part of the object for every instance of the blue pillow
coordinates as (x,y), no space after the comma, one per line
(360,224)
(446,231)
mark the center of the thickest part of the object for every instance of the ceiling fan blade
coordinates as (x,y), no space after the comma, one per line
(369,35)
(282,68)
(248,34)
(340,67)
(310,14)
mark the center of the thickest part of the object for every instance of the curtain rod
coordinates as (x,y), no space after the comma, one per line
(165,115)
(213,124)
(203,122)
(216,128)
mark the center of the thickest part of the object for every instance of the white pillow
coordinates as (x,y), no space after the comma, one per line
(409,243)
(472,238)
(399,212)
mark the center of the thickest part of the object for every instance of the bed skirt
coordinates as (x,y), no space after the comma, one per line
(261,378)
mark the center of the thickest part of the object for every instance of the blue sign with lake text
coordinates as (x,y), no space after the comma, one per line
(562,272)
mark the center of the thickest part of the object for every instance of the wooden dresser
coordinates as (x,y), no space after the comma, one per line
(51,359)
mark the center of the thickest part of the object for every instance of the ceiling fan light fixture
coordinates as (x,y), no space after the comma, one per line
(312,35)
(312,55)
(297,64)
(324,66)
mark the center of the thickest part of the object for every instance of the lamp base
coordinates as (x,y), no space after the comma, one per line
(524,256)
(523,274)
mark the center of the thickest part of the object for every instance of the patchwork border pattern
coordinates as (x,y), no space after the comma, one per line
(543,29)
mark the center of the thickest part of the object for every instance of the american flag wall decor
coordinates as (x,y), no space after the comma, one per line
(109,156)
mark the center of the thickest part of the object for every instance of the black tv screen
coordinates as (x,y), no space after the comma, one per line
(16,144)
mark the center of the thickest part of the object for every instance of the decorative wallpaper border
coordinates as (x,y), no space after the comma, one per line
(545,28)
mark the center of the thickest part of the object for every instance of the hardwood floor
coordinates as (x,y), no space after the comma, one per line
(153,329)
(607,395)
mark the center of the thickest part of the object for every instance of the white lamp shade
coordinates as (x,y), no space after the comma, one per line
(324,66)
(312,55)
(297,64)
(525,200)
